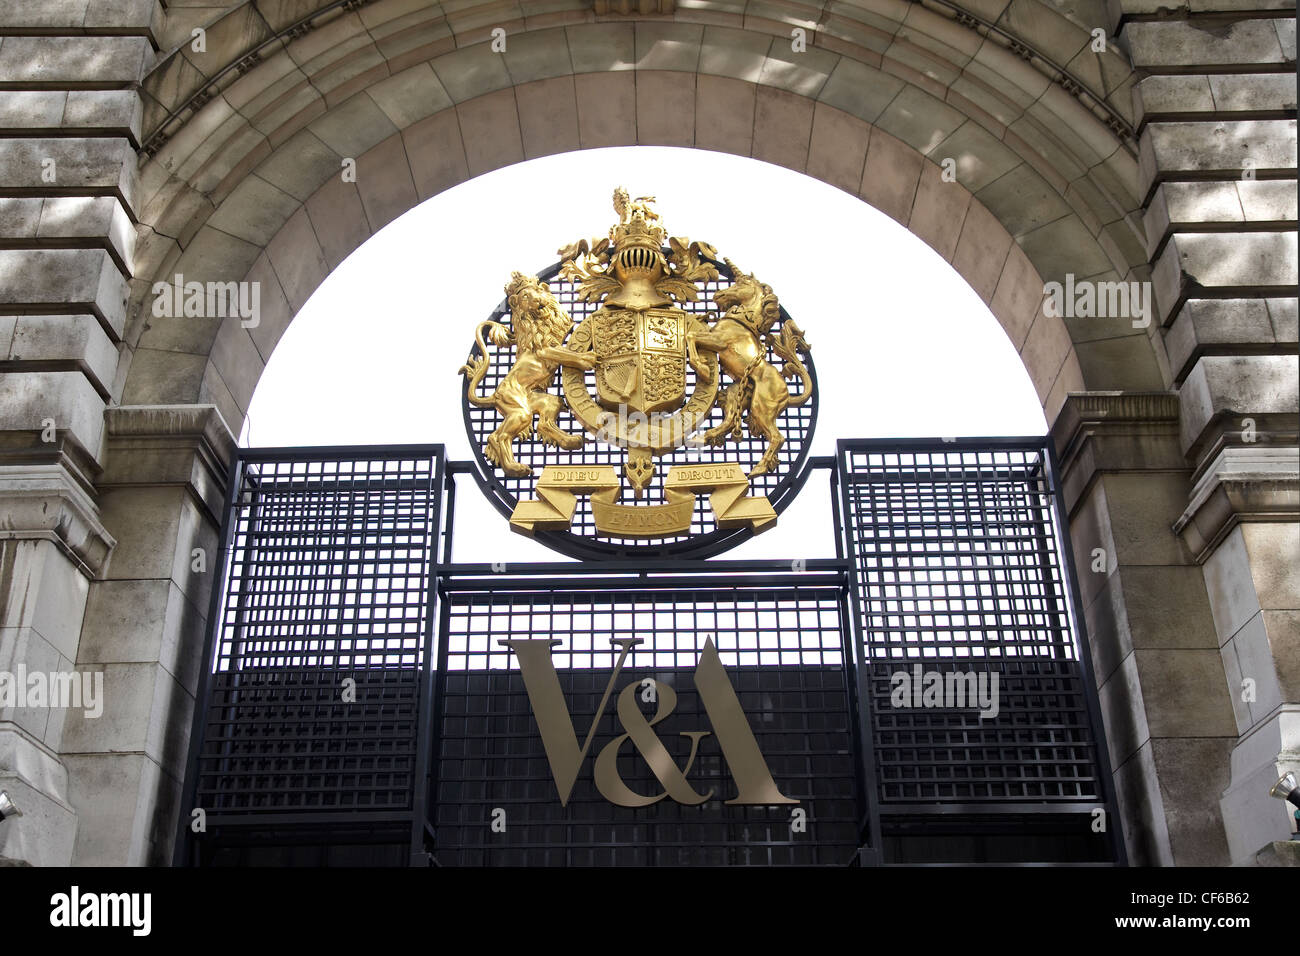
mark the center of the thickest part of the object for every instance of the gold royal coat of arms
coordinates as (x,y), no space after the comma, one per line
(638,343)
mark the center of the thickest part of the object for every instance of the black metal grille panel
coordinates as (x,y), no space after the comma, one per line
(783,651)
(959,571)
(796,423)
(323,634)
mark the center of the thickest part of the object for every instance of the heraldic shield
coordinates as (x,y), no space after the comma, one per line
(640,359)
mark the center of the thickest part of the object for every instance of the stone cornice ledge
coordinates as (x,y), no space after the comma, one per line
(167,445)
(44,502)
(1244,483)
(1114,431)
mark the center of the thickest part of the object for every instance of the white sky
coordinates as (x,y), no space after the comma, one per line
(903,347)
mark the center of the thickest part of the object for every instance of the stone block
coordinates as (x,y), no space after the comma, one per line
(63,338)
(410,95)
(665,109)
(297,259)
(236,359)
(353,126)
(804,74)
(384,182)
(1167,45)
(890,176)
(782,128)
(1123,711)
(471,72)
(664,45)
(32,109)
(126,809)
(918,119)
(1194,772)
(1186,693)
(276,313)
(255,211)
(1254,92)
(1226,147)
(300,166)
(160,377)
(1022,200)
(1217,326)
(601,47)
(978,158)
(1142,810)
(837,152)
(607,109)
(37,782)
(73,60)
(100,218)
(939,211)
(436,154)
(737,54)
(724,115)
(144,621)
(31,398)
(548,116)
(23,647)
(1046,346)
(490,128)
(1018,296)
(1219,264)
(1065,247)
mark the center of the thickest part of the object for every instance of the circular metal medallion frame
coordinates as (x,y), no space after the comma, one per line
(583,541)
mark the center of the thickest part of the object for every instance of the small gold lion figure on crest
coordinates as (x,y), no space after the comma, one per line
(538,326)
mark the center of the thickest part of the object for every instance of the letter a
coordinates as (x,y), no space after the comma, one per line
(754,781)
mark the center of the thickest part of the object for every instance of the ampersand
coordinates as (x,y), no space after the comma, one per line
(641,732)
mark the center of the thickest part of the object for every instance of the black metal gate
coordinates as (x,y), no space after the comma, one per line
(359,707)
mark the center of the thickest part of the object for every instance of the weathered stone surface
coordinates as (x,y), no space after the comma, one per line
(1181,43)
(1220,326)
(490,129)
(28,402)
(1222,264)
(548,116)
(384,182)
(782,128)
(724,115)
(64,280)
(436,154)
(65,61)
(66,338)
(1238,386)
(607,109)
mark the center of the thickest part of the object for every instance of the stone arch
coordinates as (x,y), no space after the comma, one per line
(248,187)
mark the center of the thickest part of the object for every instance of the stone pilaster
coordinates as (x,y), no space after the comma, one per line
(161,495)
(52,546)
(1215,112)
(1241,523)
(1160,678)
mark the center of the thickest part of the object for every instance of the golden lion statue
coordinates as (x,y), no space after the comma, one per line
(758,392)
(539,326)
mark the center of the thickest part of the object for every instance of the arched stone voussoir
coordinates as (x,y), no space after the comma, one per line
(449,147)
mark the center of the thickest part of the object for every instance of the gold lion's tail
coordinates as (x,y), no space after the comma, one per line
(788,345)
(477,367)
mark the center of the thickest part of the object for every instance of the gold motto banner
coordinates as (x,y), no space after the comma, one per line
(559,486)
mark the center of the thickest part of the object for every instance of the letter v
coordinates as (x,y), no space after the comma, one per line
(552,713)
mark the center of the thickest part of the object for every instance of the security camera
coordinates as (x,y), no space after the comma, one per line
(7,807)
